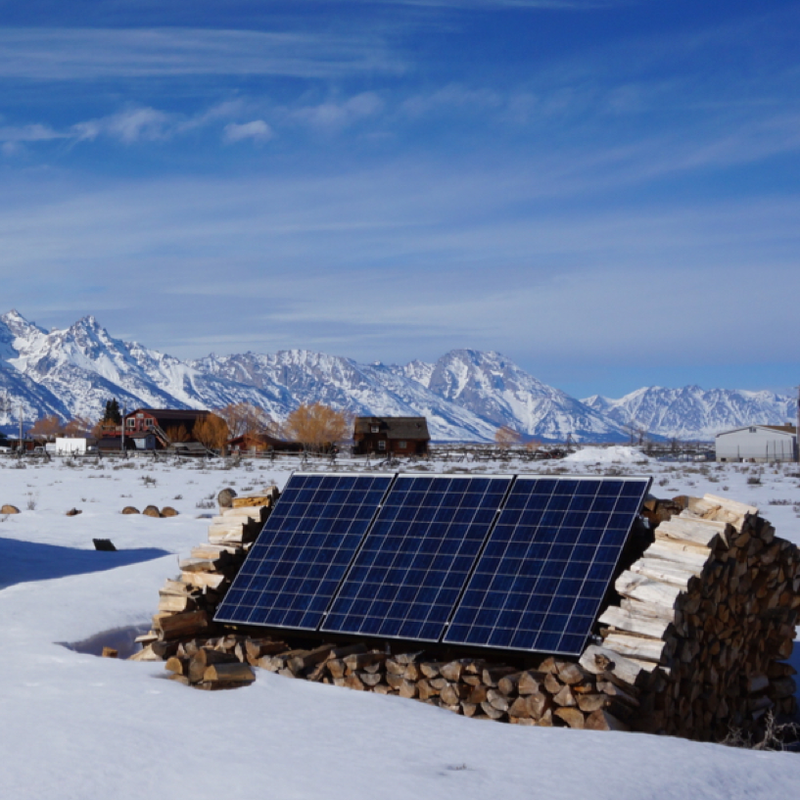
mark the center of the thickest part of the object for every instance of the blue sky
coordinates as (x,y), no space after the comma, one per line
(606,192)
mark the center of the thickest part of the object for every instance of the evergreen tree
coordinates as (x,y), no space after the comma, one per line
(112,412)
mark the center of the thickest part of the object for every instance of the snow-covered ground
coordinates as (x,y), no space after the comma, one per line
(76,726)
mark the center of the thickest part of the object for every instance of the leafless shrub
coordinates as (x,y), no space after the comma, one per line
(775,735)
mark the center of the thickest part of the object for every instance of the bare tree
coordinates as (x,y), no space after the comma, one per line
(79,426)
(245,418)
(506,437)
(178,433)
(318,427)
(47,428)
(212,431)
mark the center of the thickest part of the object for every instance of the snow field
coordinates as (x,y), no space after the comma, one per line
(77,726)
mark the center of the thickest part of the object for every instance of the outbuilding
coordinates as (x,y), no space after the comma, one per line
(406,436)
(760,443)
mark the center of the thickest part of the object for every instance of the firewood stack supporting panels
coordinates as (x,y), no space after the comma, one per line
(696,646)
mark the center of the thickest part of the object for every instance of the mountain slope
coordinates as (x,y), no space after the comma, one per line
(695,413)
(496,389)
(301,376)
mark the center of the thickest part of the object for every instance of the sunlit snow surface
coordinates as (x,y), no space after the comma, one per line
(77,726)
(616,454)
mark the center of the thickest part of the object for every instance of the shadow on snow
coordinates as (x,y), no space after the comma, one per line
(21,561)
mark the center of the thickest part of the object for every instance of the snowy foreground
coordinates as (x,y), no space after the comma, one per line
(78,726)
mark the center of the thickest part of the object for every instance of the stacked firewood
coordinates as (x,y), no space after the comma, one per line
(187,605)
(708,617)
(555,693)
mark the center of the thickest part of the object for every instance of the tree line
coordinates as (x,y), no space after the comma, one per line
(315,426)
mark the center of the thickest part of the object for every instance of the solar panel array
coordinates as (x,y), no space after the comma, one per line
(505,562)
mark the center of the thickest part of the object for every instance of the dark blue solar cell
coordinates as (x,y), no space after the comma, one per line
(433,544)
(546,596)
(301,555)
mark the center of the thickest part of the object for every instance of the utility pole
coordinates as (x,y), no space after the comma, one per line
(122,430)
(21,445)
(797,429)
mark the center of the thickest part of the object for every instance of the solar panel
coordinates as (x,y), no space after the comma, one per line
(548,561)
(417,556)
(294,568)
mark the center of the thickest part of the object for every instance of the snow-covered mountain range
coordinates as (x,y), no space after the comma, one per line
(466,395)
(695,413)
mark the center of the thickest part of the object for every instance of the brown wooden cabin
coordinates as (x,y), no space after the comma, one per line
(261,443)
(149,428)
(402,436)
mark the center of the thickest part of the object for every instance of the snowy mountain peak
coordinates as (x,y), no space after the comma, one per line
(18,326)
(493,387)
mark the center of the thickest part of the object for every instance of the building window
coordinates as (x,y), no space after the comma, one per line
(381,445)
(148,423)
(131,423)
(374,429)
(402,445)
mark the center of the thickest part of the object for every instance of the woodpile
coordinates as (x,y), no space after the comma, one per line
(555,693)
(188,603)
(707,617)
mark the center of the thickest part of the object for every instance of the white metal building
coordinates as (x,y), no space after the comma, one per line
(77,446)
(758,443)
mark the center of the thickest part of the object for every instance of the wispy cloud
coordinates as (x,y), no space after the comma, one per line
(143,124)
(60,54)
(436,247)
(257,130)
(132,125)
(29,133)
(333,114)
(454,96)
(14,138)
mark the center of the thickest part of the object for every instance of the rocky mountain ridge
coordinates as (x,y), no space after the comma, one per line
(466,394)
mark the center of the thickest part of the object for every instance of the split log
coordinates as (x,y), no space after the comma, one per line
(601,720)
(206,657)
(226,673)
(189,623)
(529,682)
(572,716)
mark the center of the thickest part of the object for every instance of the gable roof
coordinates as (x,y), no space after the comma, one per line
(170,413)
(787,429)
(393,427)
